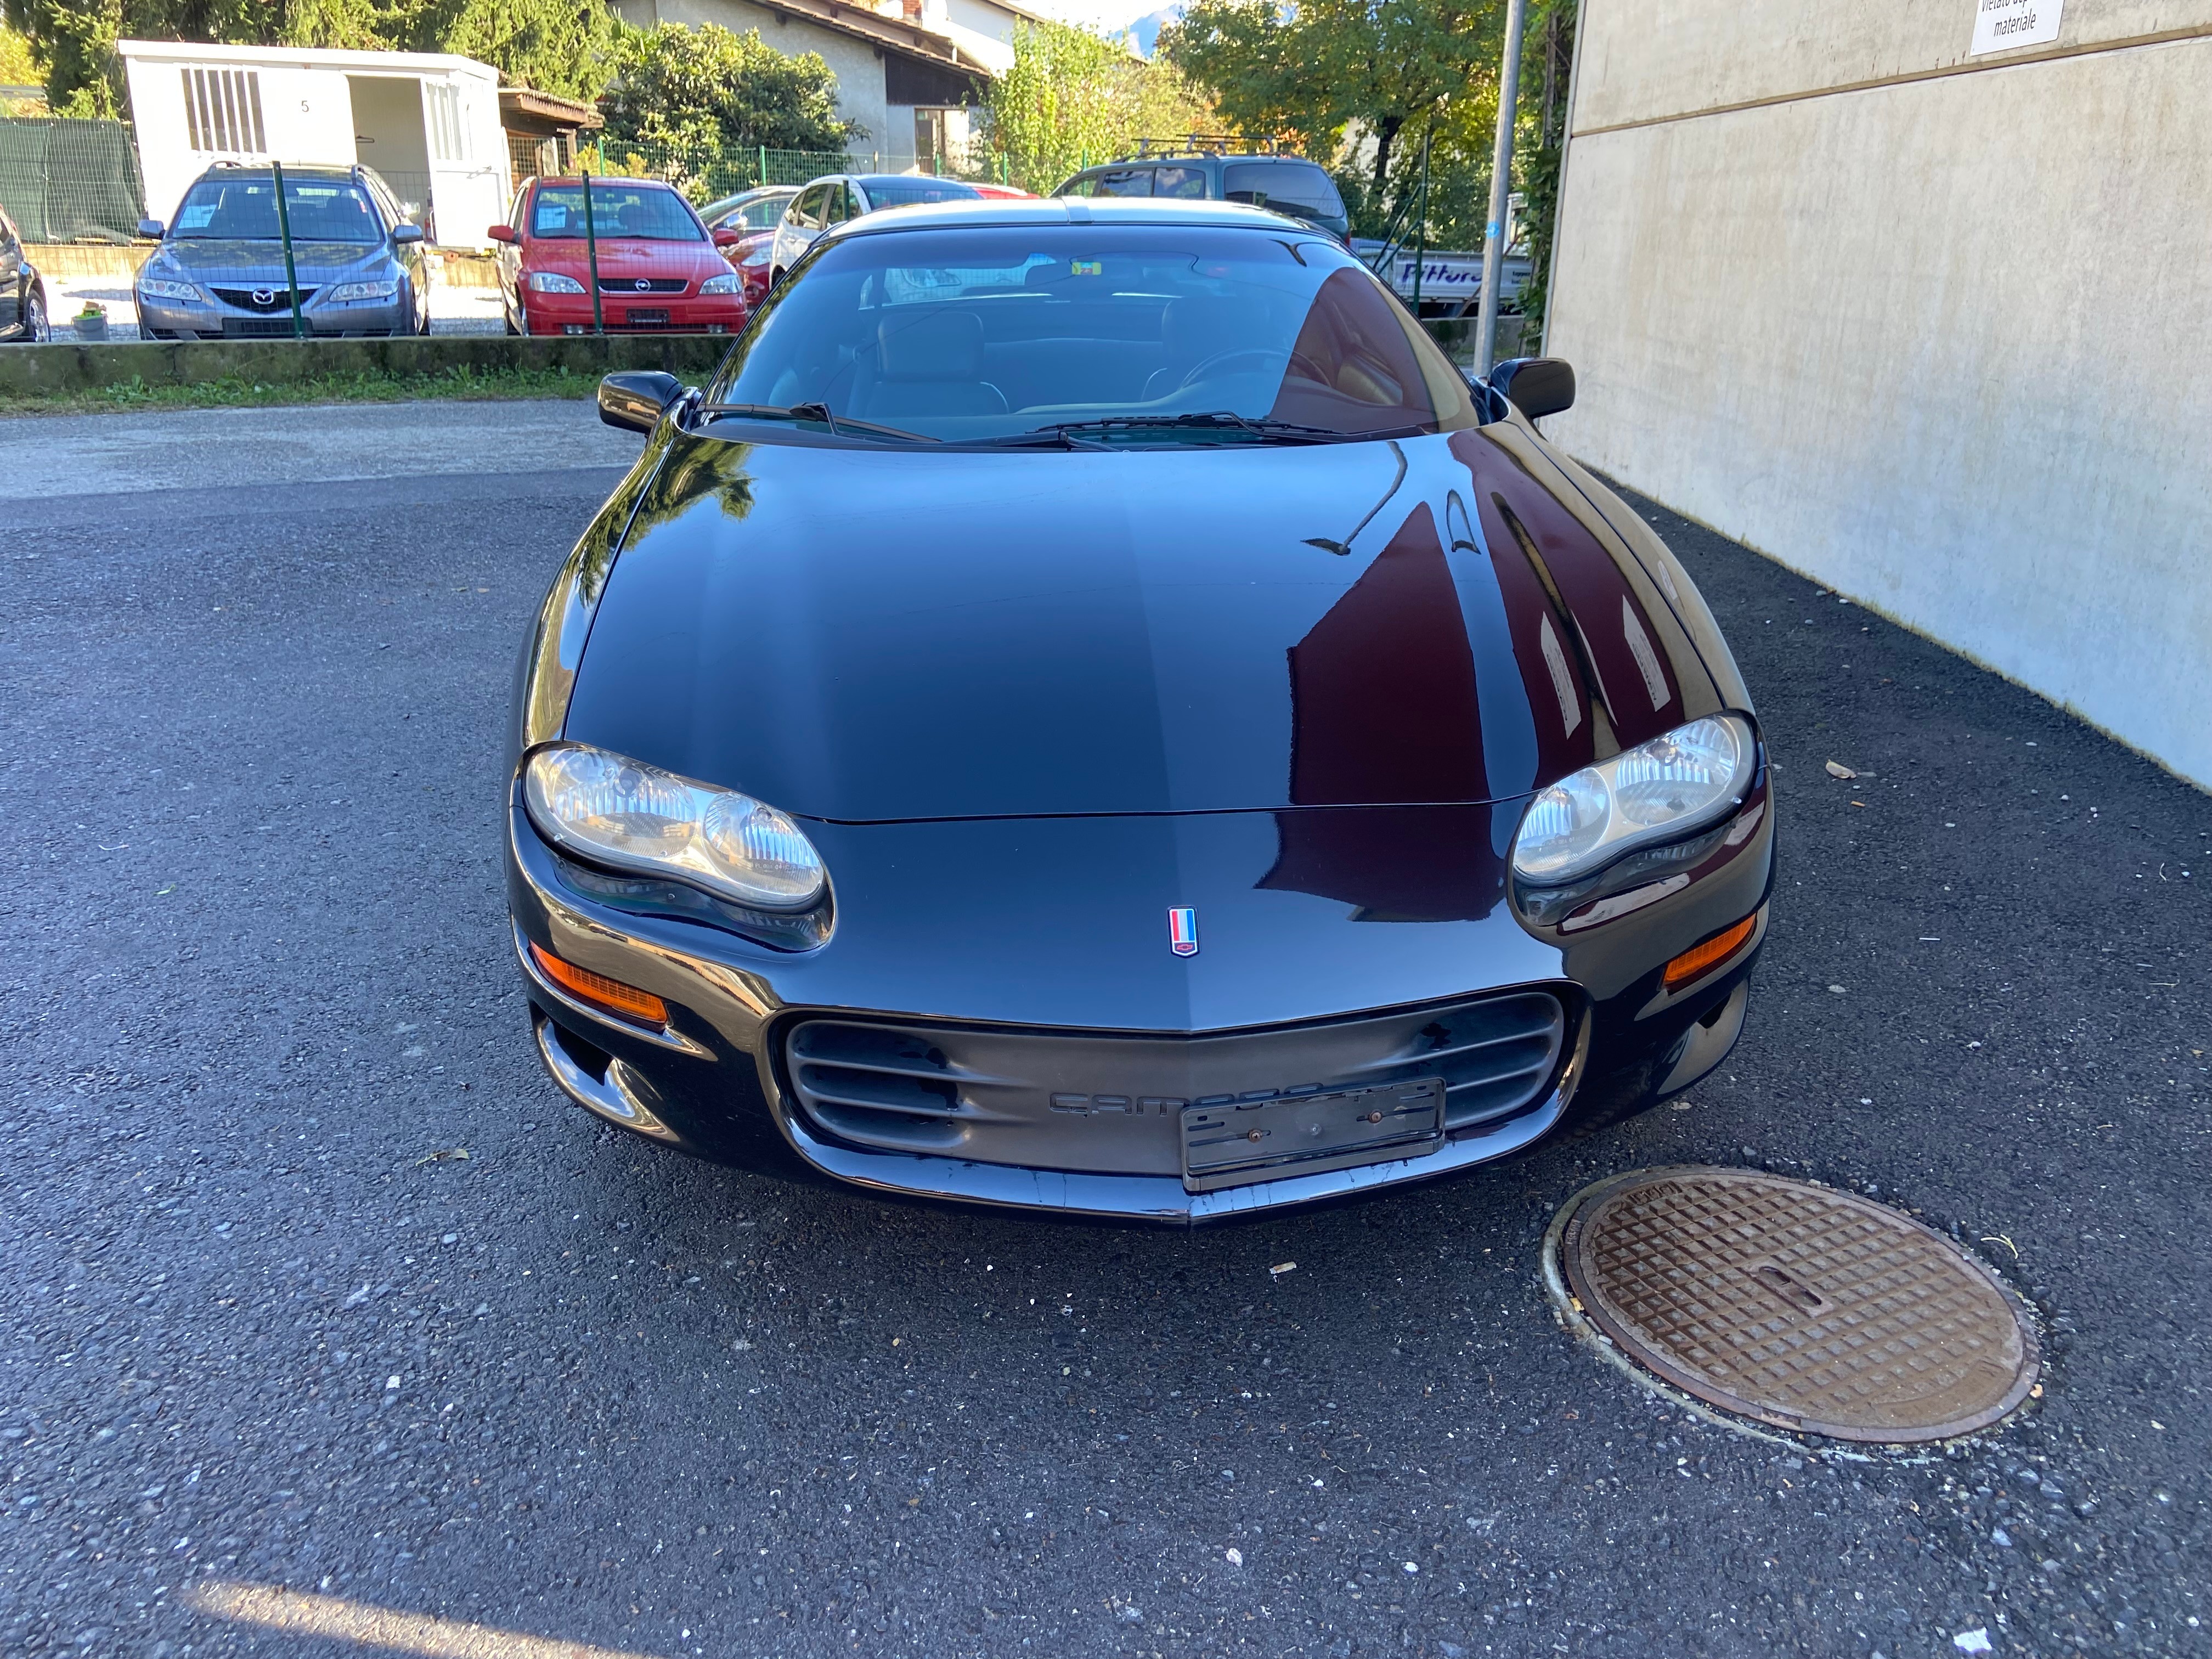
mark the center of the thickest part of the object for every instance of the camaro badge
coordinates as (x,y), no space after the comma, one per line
(1183,932)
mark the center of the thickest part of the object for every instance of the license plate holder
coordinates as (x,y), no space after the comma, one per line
(648,317)
(1237,1142)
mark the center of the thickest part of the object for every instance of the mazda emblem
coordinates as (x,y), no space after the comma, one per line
(264,296)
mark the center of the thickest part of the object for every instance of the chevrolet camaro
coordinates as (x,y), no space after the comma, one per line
(1089,710)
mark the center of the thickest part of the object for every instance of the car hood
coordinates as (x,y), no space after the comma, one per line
(244,261)
(867,635)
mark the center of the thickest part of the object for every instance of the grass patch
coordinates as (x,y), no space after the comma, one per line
(368,386)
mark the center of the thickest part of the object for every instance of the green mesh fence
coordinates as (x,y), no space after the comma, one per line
(70,181)
(709,175)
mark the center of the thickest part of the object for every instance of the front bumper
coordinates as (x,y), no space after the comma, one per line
(721,1079)
(634,313)
(218,321)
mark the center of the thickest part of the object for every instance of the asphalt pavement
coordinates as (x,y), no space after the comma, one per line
(330,1319)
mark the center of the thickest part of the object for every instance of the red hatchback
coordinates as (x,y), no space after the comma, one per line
(658,269)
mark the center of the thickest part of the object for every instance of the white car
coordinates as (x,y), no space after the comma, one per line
(833,200)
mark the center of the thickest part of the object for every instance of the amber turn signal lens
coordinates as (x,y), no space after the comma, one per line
(1717,950)
(611,994)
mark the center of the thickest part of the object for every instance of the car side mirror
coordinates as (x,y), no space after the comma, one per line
(1537,386)
(634,399)
(725,236)
(151,229)
(502,234)
(403,234)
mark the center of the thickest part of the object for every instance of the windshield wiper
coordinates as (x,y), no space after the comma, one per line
(839,425)
(1211,420)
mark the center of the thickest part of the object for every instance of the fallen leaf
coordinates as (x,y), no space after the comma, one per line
(459,1154)
(1836,770)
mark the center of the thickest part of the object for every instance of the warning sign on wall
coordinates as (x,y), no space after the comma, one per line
(2007,25)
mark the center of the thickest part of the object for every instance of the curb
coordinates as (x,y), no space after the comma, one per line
(35,370)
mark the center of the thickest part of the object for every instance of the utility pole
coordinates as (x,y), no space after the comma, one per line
(1501,169)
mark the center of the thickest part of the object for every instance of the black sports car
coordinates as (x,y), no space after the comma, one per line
(1090,711)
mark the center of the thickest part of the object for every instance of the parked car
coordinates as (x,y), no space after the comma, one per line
(1094,714)
(1286,183)
(749,210)
(1004,194)
(825,203)
(219,272)
(754,215)
(660,268)
(23,312)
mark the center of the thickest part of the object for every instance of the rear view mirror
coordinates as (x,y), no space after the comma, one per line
(1537,386)
(501,233)
(635,398)
(403,234)
(151,228)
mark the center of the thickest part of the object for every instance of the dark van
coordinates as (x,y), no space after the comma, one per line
(1287,184)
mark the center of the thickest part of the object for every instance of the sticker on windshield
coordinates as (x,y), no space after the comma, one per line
(1086,267)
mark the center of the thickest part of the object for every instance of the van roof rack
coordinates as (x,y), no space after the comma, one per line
(1211,143)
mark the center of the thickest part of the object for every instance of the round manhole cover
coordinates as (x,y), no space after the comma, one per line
(1797,1304)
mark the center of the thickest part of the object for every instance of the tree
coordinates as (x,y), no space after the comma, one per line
(1073,97)
(566,47)
(1387,68)
(1541,145)
(1057,106)
(704,91)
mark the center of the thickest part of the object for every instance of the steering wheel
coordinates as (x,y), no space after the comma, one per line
(1264,356)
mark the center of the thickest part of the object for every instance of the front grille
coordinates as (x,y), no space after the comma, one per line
(246,298)
(643,284)
(258,328)
(1113,1102)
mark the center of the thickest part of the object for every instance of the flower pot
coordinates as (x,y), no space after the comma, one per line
(91,325)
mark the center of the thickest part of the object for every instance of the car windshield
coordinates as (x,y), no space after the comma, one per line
(912,192)
(244,209)
(1298,185)
(639,213)
(1121,333)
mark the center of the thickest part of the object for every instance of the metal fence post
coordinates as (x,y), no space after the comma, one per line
(1421,226)
(285,232)
(763,166)
(592,250)
(1501,169)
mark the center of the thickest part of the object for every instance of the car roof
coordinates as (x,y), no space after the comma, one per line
(571,182)
(983,212)
(292,170)
(871,179)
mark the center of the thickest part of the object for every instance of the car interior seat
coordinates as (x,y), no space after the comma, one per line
(932,363)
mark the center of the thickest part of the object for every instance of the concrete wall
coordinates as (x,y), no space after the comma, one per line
(1929,328)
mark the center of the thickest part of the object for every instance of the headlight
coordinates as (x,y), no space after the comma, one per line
(613,810)
(728,282)
(161,288)
(1658,791)
(552,282)
(364,291)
